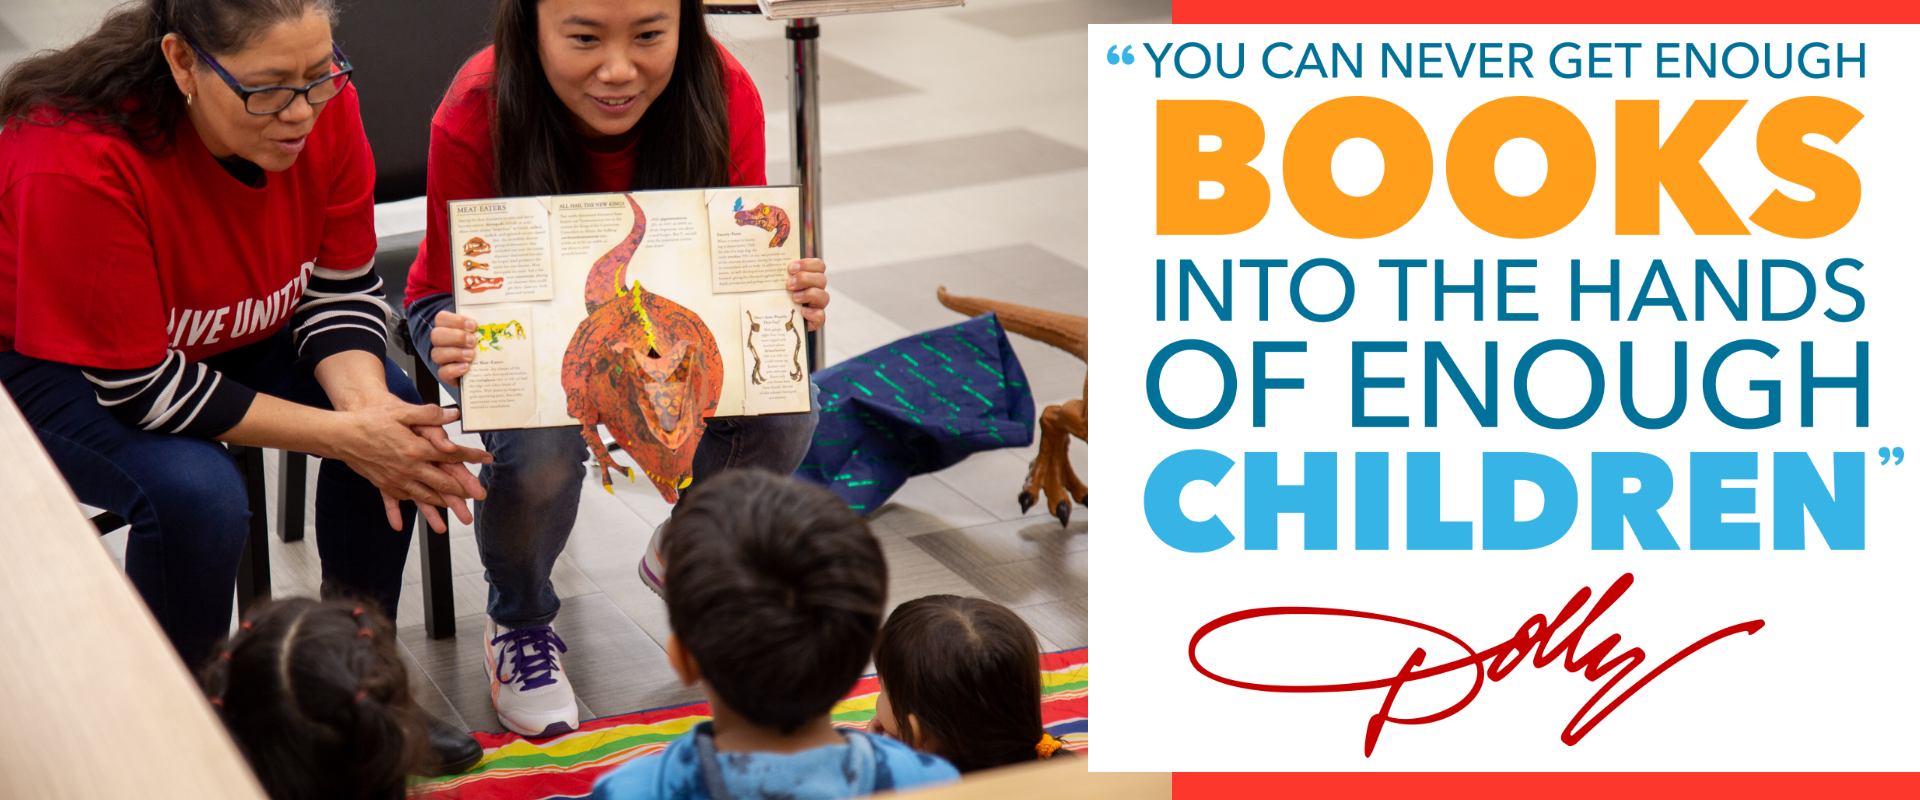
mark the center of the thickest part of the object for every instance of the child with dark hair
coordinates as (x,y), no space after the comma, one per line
(774,593)
(960,678)
(315,694)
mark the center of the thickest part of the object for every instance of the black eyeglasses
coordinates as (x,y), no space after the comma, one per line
(267,100)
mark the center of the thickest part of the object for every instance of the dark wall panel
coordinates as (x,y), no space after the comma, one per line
(404,53)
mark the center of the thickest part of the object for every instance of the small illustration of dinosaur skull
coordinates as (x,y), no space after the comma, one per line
(476,284)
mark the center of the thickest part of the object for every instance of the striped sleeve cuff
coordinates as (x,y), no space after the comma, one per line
(173,397)
(341,311)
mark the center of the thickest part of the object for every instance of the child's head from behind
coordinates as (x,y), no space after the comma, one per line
(960,678)
(775,592)
(315,694)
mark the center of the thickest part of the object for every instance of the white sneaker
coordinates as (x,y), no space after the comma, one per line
(531,693)
(653,570)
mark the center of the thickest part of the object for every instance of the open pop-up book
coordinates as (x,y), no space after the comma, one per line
(646,312)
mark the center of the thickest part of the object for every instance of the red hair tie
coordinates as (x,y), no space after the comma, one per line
(246,626)
(361,696)
(357,611)
(366,633)
(226,656)
(217,701)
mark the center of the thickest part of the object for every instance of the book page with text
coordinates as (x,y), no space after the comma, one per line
(775,365)
(501,251)
(499,390)
(755,237)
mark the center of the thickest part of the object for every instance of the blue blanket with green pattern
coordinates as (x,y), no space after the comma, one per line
(917,405)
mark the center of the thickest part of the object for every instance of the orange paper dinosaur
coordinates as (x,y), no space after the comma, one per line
(644,366)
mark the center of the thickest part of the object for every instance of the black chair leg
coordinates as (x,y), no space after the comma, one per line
(436,580)
(293,496)
(107,522)
(424,382)
(436,559)
(254,584)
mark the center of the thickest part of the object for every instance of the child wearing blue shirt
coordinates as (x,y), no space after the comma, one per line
(774,593)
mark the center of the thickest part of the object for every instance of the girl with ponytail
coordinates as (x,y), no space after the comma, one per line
(315,694)
(960,678)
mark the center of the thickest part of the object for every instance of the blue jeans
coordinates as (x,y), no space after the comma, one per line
(533,487)
(186,501)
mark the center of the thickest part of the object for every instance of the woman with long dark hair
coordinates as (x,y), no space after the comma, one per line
(582,96)
(186,247)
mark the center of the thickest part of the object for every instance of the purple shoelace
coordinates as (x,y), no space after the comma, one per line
(530,653)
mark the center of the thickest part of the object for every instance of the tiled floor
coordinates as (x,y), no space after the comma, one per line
(955,156)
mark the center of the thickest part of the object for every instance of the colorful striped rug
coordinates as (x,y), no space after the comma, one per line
(516,768)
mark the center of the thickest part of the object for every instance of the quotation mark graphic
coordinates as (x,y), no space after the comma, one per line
(1123,57)
(1898,454)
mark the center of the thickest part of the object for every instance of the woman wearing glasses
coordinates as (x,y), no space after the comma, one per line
(582,96)
(186,240)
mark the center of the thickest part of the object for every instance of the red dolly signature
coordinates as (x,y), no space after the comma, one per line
(1497,662)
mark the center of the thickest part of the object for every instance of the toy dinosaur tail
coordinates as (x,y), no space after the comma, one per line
(1065,331)
(609,274)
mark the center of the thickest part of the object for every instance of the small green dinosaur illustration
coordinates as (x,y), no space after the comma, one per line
(490,335)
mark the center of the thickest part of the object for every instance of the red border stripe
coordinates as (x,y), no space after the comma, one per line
(1426,12)
(1556,785)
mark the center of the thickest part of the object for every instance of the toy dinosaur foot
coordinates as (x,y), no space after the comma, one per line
(1051,473)
(1071,481)
(1051,476)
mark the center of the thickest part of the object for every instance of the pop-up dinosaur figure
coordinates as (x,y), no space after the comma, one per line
(1050,471)
(644,366)
(765,217)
